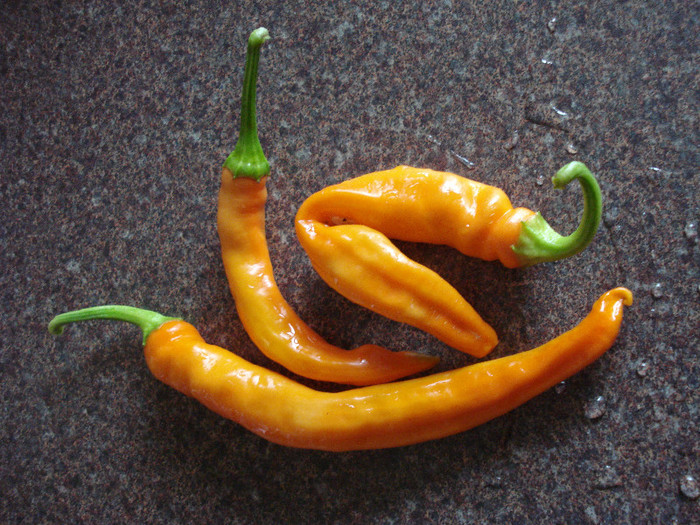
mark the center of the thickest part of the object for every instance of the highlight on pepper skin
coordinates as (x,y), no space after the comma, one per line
(444,208)
(364,266)
(346,229)
(385,415)
(271,323)
(396,414)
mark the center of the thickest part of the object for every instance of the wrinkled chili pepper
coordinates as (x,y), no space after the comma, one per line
(379,416)
(270,321)
(345,230)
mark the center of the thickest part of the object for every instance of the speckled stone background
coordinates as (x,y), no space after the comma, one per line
(114,125)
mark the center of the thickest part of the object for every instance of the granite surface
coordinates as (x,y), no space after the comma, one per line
(114,125)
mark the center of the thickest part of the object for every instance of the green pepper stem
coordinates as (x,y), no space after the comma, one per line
(147,320)
(538,242)
(248,158)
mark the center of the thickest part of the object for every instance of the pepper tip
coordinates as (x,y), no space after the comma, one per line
(259,36)
(625,295)
(55,328)
(620,294)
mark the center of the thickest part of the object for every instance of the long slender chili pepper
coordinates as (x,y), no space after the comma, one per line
(345,230)
(269,320)
(379,416)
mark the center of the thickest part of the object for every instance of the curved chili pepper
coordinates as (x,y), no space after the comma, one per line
(270,321)
(379,416)
(345,230)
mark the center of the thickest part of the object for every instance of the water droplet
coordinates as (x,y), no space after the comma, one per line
(608,479)
(642,369)
(591,514)
(73,266)
(539,180)
(495,482)
(559,389)
(689,487)
(559,112)
(595,408)
(464,160)
(547,61)
(571,148)
(433,140)
(611,214)
(691,230)
(552,25)
(512,141)
(657,291)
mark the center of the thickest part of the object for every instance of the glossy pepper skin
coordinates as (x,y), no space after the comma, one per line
(379,416)
(269,320)
(363,265)
(346,229)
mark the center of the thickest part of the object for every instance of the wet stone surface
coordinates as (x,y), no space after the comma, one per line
(115,123)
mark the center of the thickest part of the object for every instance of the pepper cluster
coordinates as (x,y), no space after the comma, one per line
(346,230)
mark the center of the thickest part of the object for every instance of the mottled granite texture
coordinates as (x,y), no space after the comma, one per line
(114,124)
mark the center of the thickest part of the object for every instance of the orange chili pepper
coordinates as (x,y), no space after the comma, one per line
(345,230)
(270,321)
(379,416)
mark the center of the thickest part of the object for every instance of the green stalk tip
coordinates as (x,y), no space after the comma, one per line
(538,242)
(248,158)
(147,320)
